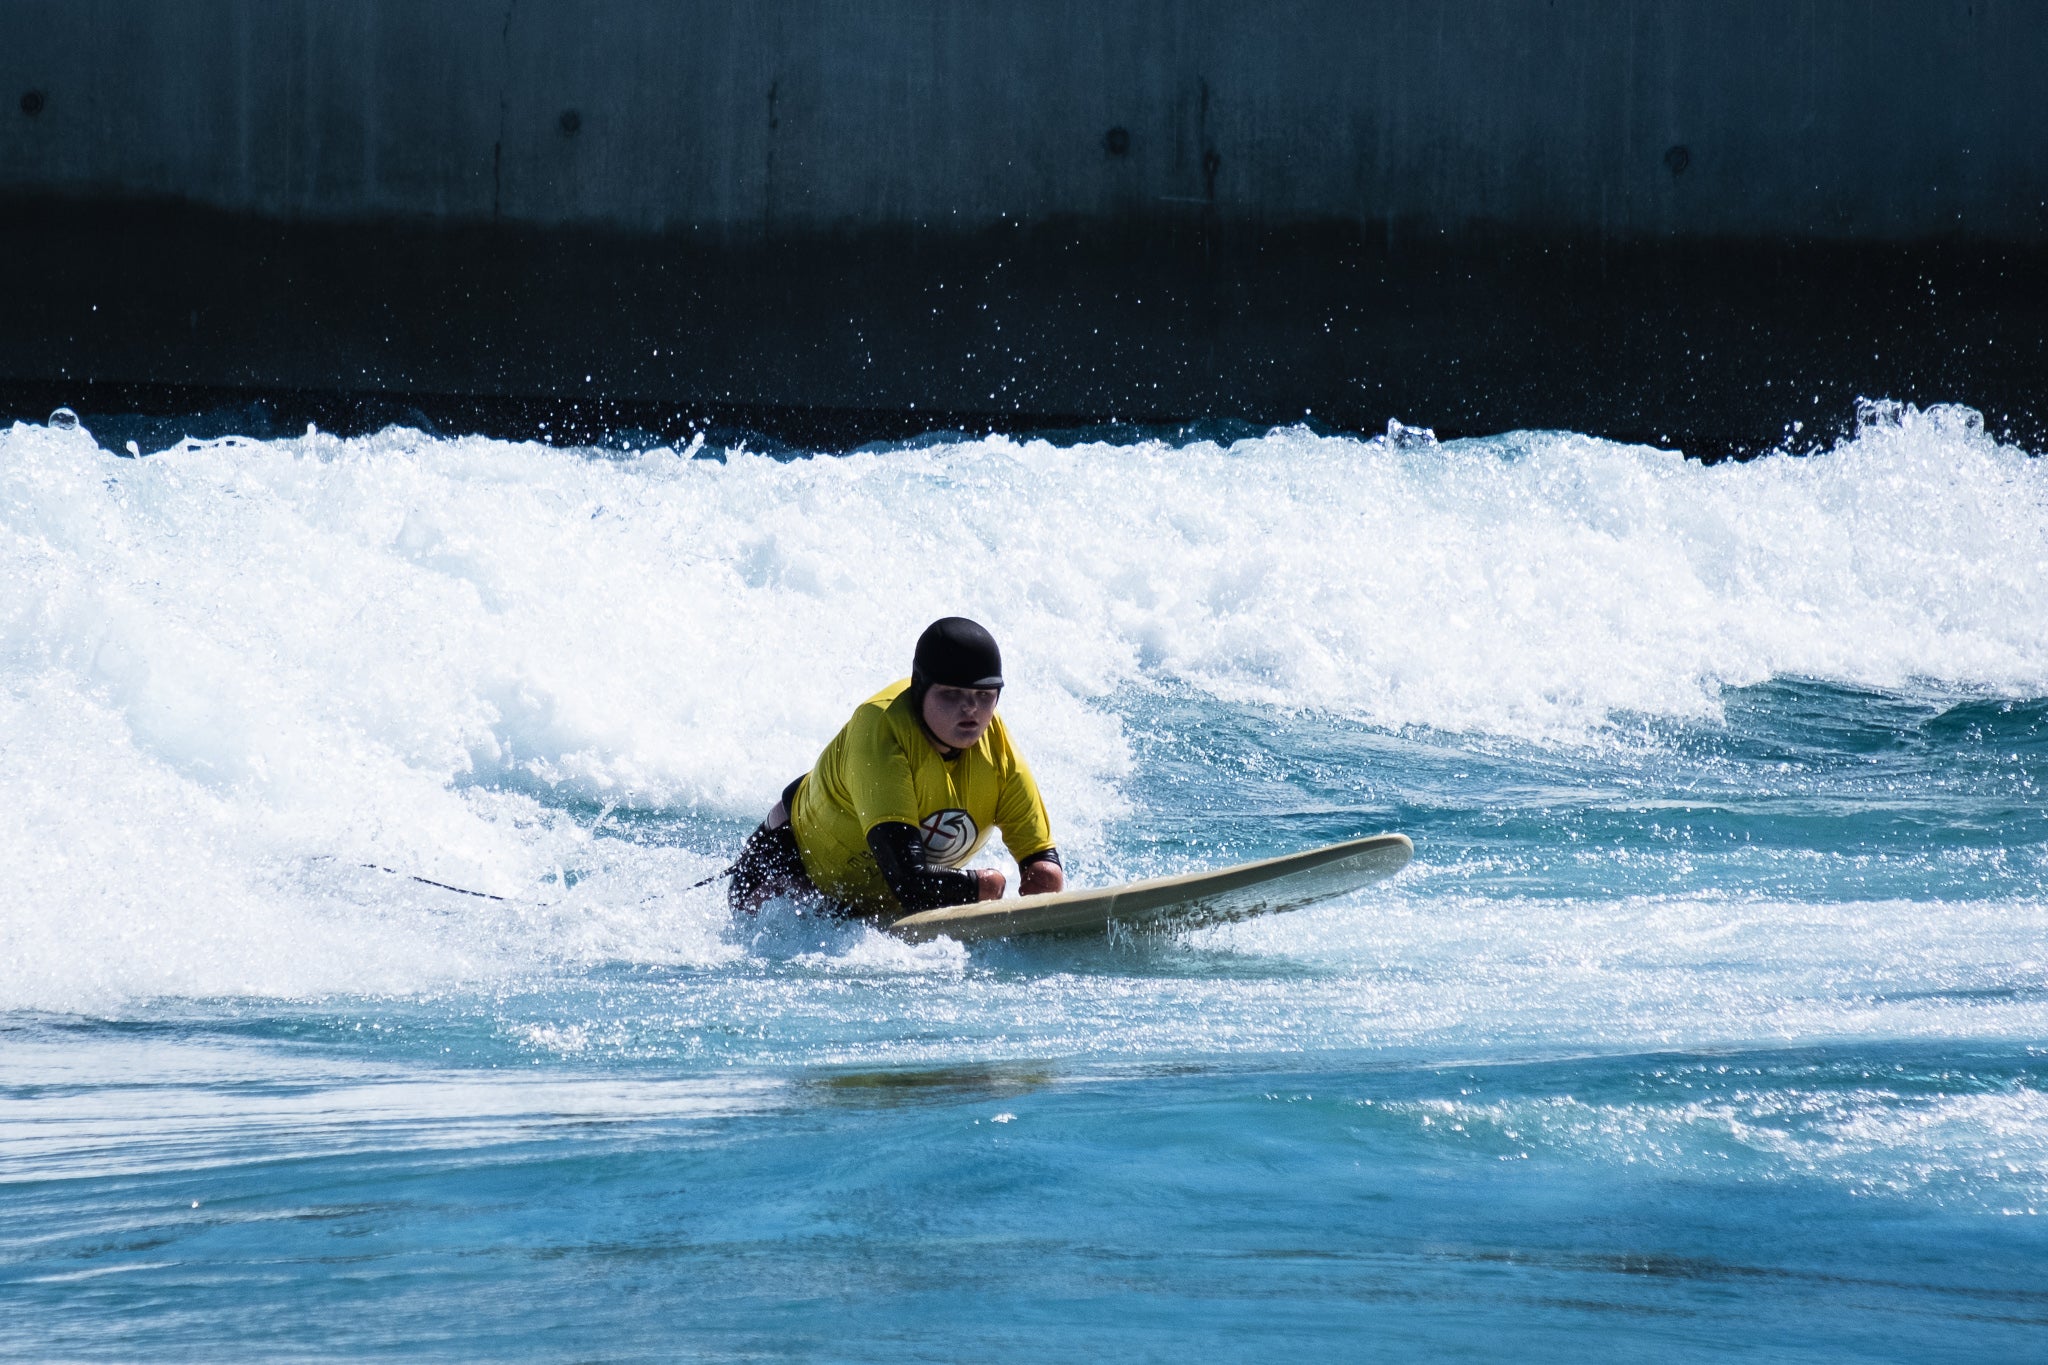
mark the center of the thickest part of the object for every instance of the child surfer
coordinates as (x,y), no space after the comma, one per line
(905,795)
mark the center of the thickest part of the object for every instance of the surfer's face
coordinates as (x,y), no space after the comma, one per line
(958,715)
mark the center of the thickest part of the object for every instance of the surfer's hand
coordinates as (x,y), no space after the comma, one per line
(991,883)
(1039,877)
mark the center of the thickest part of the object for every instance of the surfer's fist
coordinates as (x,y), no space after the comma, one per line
(991,884)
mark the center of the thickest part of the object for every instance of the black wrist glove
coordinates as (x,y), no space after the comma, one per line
(899,852)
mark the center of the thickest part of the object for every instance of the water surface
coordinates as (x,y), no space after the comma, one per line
(1712,1019)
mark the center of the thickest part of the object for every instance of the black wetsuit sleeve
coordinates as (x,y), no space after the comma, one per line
(899,852)
(1044,855)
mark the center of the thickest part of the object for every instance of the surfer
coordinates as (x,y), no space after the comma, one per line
(905,795)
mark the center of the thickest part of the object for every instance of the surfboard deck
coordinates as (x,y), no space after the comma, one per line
(1266,887)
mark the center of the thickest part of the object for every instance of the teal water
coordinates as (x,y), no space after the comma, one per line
(1711,1021)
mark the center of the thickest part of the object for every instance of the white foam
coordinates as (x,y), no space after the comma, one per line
(73,1131)
(225,662)
(1982,1152)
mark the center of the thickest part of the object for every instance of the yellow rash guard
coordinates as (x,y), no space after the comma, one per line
(883,767)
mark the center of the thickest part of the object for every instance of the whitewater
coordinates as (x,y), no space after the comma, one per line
(353,981)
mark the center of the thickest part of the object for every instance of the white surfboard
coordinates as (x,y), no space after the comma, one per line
(1230,893)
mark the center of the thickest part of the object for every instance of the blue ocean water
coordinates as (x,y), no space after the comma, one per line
(1711,1021)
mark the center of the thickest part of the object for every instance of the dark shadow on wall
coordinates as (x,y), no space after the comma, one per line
(831,340)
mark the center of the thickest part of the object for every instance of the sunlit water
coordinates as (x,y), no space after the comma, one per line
(1712,1019)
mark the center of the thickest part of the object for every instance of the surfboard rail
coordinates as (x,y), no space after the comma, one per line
(1269,886)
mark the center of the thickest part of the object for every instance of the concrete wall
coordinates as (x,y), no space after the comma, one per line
(1713,223)
(1831,119)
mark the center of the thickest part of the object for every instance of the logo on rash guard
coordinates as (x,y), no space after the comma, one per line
(948,837)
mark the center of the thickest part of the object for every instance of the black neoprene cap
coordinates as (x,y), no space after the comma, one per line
(957,652)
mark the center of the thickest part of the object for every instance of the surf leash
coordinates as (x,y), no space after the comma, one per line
(504,900)
(429,881)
